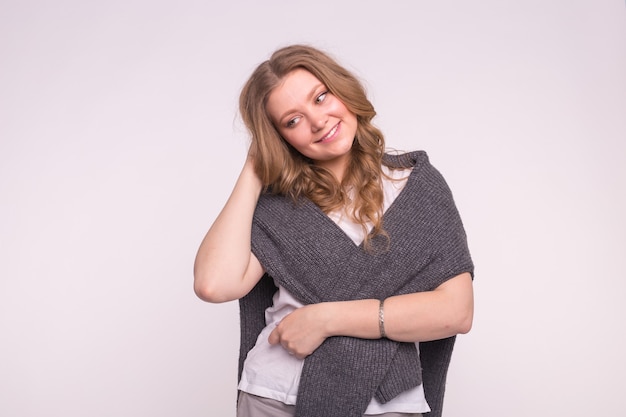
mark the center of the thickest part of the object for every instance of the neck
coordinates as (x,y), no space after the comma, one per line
(337,166)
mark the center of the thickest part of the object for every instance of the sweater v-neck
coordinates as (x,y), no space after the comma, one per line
(311,256)
(388,216)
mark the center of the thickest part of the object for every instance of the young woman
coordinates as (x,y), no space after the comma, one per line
(351,265)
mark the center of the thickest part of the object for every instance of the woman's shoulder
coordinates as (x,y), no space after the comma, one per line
(422,171)
(398,159)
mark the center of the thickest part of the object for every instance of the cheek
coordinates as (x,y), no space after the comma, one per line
(338,106)
(299,142)
(294,137)
(288,138)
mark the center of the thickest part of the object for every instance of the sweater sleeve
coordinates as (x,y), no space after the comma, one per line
(443,231)
(252,316)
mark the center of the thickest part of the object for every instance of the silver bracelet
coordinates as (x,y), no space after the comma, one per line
(381,318)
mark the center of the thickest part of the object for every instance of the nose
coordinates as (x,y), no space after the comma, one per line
(318,122)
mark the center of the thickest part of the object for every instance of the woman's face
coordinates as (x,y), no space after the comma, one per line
(312,120)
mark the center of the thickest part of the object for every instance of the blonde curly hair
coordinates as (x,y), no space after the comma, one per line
(285,171)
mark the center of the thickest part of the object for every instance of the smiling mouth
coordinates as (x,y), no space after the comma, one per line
(330,135)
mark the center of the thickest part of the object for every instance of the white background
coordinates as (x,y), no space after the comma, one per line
(120,142)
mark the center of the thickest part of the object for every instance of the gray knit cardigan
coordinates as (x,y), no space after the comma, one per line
(309,255)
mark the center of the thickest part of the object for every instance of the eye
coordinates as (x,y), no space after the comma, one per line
(321,97)
(292,122)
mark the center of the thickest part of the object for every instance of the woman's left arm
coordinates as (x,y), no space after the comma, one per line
(443,312)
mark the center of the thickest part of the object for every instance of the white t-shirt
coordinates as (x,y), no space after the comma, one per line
(270,372)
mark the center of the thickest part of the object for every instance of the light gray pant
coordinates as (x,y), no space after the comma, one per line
(252,406)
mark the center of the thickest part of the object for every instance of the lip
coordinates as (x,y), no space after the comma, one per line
(332,134)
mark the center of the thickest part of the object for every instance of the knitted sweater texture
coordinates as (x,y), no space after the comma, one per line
(310,256)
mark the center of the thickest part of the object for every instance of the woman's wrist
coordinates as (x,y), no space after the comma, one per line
(357,318)
(381,319)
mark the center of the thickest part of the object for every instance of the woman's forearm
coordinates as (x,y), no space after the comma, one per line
(443,312)
(224,268)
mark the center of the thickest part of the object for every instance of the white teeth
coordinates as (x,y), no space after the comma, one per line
(332,132)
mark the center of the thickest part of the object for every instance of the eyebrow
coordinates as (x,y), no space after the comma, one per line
(309,96)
